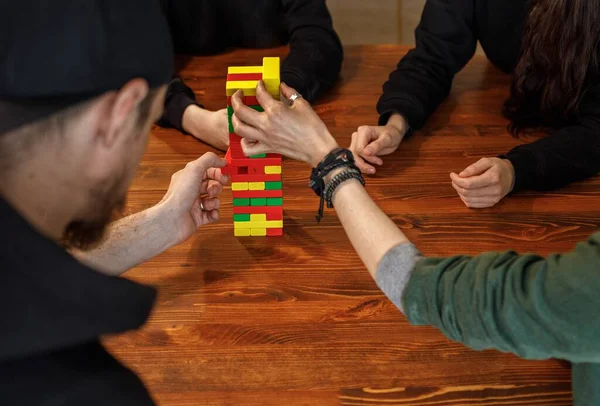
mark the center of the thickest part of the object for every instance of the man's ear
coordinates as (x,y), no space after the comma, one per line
(120,110)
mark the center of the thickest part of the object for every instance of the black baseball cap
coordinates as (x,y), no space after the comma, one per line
(56,53)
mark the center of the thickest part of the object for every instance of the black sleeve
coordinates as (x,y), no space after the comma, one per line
(570,154)
(445,42)
(177,99)
(315,59)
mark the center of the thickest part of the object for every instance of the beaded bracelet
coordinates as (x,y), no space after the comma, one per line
(337,180)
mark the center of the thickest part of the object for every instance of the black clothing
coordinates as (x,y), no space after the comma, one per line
(446,39)
(202,27)
(53,311)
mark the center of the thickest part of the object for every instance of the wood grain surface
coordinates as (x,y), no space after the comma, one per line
(297,320)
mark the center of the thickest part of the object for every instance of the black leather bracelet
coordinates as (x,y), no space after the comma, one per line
(338,158)
(338,180)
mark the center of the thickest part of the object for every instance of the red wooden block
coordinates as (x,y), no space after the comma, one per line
(235,77)
(268,210)
(237,154)
(270,160)
(251,101)
(257,193)
(275,216)
(248,101)
(273,232)
(256,178)
(235,139)
(235,147)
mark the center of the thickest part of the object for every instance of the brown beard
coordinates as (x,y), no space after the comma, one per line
(85,234)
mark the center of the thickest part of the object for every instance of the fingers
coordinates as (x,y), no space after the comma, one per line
(211,203)
(251,148)
(362,137)
(479,202)
(217,175)
(264,97)
(355,147)
(244,113)
(210,214)
(488,191)
(287,91)
(477,168)
(363,165)
(380,144)
(212,188)
(210,160)
(244,130)
(489,178)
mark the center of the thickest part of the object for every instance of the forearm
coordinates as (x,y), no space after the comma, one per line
(370,231)
(531,306)
(130,241)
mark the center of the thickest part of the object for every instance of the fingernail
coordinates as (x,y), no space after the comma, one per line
(371,170)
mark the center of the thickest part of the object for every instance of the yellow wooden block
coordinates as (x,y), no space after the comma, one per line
(258,232)
(244,69)
(248,86)
(239,186)
(256,185)
(274,224)
(272,170)
(241,232)
(242,224)
(271,78)
(258,217)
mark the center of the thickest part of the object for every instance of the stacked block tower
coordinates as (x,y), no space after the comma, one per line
(256,180)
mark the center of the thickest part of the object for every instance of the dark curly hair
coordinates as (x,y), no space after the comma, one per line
(558,60)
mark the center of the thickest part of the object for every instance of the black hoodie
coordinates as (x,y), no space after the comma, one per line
(53,311)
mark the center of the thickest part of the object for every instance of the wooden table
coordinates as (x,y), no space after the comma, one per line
(297,320)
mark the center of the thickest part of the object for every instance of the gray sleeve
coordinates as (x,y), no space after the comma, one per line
(395,269)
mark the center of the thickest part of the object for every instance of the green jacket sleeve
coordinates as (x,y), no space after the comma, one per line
(534,307)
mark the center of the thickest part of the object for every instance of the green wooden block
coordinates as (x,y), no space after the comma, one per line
(257,108)
(259,156)
(229,111)
(274,201)
(241,202)
(241,217)
(259,201)
(272,185)
(231,130)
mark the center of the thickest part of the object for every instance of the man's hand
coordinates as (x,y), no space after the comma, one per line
(371,142)
(484,183)
(208,126)
(191,200)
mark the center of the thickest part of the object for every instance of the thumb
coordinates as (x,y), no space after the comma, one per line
(477,168)
(252,148)
(383,141)
(208,160)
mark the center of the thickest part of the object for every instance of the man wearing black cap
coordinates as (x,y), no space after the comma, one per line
(80,85)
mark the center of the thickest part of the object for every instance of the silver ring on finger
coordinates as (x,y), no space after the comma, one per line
(202,206)
(294,97)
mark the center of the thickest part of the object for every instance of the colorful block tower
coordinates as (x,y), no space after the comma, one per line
(255,180)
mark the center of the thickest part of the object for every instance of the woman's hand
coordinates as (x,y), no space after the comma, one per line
(484,183)
(295,131)
(369,143)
